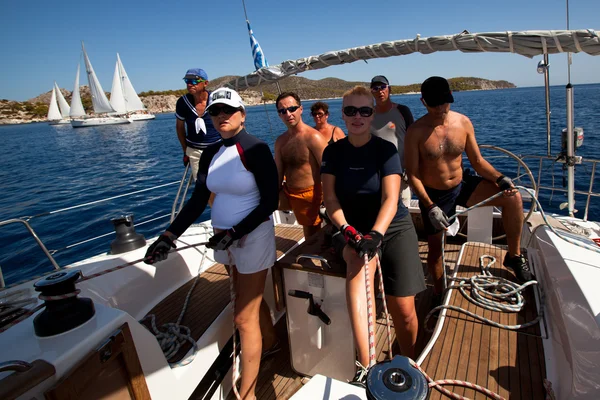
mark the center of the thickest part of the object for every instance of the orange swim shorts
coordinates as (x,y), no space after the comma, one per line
(305,204)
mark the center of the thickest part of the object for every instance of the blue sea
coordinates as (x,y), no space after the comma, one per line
(47,168)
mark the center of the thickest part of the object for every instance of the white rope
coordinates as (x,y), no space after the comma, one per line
(172,336)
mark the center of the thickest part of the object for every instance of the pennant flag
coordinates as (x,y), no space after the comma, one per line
(259,59)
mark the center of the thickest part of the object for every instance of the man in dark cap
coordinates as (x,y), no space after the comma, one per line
(433,152)
(390,123)
(190,113)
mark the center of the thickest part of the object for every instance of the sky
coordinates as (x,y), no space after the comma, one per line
(40,42)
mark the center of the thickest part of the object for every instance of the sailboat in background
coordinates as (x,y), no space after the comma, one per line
(58,115)
(99,101)
(123,97)
(54,116)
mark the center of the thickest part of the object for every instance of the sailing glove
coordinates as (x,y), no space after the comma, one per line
(438,218)
(370,243)
(186,160)
(351,235)
(504,183)
(222,240)
(159,250)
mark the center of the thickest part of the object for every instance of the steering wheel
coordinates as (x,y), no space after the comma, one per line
(515,180)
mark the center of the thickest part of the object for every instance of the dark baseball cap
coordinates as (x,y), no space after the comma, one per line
(436,91)
(379,79)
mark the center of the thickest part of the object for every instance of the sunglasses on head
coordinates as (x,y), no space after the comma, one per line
(363,111)
(291,109)
(193,81)
(318,114)
(378,88)
(228,110)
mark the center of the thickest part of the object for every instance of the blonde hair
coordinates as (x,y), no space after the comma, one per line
(358,91)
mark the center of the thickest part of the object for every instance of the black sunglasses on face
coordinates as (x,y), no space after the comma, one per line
(363,111)
(214,111)
(378,88)
(318,114)
(291,109)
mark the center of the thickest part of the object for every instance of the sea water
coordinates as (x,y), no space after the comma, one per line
(48,168)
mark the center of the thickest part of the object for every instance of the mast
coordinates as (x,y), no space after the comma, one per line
(570,161)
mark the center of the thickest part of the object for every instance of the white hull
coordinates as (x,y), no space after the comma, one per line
(141,117)
(82,123)
(59,122)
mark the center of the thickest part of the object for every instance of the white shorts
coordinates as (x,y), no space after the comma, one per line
(405,193)
(194,155)
(252,253)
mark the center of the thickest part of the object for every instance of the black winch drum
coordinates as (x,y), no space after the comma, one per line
(396,379)
(127,239)
(61,315)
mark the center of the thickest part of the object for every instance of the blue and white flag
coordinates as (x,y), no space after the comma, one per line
(257,53)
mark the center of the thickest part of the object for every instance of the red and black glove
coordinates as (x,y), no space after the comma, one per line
(370,243)
(351,235)
(186,160)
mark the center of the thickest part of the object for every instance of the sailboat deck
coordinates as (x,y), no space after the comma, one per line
(277,380)
(507,362)
(211,294)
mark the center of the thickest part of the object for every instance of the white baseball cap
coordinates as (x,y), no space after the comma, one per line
(226,96)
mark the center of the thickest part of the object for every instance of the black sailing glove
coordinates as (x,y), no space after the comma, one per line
(159,250)
(369,244)
(351,235)
(504,183)
(222,240)
(438,218)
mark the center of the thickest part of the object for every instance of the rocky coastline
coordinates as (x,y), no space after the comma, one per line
(36,109)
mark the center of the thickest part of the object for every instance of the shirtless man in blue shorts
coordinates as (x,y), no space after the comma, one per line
(433,152)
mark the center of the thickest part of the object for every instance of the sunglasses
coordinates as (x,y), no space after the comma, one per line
(378,88)
(363,111)
(291,109)
(228,110)
(318,114)
(193,81)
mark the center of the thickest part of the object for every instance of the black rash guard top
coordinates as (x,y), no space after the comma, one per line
(242,173)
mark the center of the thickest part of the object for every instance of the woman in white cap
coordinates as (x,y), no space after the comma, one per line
(241,171)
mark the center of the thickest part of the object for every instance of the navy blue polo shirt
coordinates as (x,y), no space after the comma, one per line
(358,174)
(199,134)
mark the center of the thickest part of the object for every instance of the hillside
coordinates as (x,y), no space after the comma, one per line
(36,109)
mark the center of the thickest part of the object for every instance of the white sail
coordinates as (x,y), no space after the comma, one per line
(117,100)
(99,100)
(76,105)
(62,103)
(132,100)
(53,112)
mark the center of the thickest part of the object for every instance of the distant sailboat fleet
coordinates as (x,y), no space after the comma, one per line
(124,106)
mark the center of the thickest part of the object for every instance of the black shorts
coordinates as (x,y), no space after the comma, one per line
(448,199)
(400,261)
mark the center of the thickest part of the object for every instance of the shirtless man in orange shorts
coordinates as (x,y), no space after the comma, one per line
(298,153)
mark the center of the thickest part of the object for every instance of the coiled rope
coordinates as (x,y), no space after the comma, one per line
(172,336)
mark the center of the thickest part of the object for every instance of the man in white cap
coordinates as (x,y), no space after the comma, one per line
(191,113)
(391,123)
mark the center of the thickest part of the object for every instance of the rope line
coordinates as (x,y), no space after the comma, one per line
(172,336)
(234,377)
(371,326)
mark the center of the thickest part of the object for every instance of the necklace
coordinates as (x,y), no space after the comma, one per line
(440,141)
